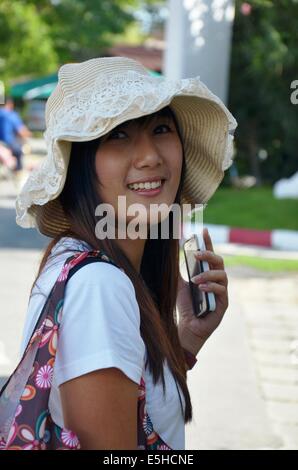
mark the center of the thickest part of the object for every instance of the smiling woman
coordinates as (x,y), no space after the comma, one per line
(109,369)
(138,152)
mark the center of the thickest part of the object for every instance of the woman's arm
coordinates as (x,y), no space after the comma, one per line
(101,408)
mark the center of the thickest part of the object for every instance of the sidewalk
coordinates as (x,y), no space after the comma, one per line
(17,273)
(244,387)
(270,307)
(229,410)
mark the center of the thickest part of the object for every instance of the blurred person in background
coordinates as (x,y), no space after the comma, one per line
(11,129)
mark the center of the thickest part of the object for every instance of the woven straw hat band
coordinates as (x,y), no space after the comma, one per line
(211,122)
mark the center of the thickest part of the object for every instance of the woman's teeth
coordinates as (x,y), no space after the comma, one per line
(146,185)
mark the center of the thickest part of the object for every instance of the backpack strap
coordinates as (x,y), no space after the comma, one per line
(72,264)
(91,259)
(70,267)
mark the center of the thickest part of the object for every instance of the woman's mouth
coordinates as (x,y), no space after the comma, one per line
(152,188)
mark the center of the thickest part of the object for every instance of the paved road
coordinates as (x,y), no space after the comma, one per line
(245,386)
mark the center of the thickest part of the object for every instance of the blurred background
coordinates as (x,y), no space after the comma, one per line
(245,385)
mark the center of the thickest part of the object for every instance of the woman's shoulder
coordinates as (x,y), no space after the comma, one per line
(93,272)
(102,274)
(99,279)
(70,244)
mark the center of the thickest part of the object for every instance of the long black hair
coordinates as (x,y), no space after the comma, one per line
(157,284)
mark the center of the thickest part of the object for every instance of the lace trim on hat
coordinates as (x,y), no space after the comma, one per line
(87,114)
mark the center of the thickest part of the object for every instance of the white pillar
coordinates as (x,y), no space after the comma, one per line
(198,39)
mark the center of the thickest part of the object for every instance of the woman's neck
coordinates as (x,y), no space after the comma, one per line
(133,249)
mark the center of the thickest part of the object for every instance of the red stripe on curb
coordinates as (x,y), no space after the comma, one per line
(250,237)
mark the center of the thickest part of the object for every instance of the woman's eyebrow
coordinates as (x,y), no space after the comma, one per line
(153,120)
(157,119)
(123,125)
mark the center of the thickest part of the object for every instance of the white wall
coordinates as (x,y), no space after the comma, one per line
(198,38)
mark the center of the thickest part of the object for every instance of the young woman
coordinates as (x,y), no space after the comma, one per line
(110,127)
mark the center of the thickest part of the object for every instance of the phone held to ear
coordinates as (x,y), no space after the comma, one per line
(203,302)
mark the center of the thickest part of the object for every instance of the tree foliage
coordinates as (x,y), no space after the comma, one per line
(264,63)
(36,36)
(25,43)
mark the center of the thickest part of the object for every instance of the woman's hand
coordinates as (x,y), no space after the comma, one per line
(193,331)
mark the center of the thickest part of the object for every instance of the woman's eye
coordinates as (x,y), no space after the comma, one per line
(121,134)
(163,126)
(114,134)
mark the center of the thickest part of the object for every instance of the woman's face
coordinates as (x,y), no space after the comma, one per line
(130,154)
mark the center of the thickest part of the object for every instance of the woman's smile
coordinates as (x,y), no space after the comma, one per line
(147,189)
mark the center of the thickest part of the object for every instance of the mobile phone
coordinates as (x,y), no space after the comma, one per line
(203,302)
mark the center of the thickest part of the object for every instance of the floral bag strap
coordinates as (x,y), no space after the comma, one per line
(25,384)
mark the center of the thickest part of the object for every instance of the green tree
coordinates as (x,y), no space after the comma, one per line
(264,63)
(25,45)
(36,36)
(83,29)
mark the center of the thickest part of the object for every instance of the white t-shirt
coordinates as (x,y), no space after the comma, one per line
(100,328)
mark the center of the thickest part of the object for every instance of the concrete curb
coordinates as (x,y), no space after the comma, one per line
(276,239)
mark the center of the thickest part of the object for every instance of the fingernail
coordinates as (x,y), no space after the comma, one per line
(195,278)
(203,286)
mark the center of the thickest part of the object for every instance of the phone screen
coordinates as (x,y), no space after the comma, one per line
(194,265)
(193,268)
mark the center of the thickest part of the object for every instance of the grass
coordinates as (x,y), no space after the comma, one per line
(254,208)
(262,264)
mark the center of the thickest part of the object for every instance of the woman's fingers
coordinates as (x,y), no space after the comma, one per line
(217,275)
(213,287)
(221,293)
(207,239)
(211,257)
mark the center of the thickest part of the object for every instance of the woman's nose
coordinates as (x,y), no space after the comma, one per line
(146,152)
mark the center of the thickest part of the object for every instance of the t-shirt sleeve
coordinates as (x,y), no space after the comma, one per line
(100,325)
(16,121)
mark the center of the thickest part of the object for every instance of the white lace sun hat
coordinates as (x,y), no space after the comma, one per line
(93,97)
